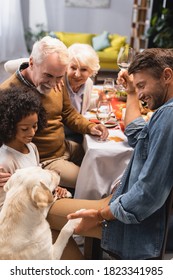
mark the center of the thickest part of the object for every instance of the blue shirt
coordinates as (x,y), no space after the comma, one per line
(139,203)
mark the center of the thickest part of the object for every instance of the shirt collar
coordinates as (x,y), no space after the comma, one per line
(71,92)
(22,78)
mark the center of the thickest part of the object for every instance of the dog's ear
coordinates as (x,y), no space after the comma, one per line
(14,180)
(42,196)
(7,186)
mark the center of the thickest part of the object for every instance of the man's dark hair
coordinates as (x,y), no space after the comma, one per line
(154,60)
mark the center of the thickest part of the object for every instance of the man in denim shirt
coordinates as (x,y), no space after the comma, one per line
(134,220)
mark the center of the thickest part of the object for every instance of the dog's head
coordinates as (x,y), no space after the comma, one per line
(35,182)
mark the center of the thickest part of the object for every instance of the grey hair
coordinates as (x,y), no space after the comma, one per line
(48,45)
(85,54)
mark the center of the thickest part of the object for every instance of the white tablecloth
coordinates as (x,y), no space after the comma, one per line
(102,166)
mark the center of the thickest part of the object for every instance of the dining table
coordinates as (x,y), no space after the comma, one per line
(104,161)
(103,164)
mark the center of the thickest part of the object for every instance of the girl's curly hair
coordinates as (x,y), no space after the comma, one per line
(15,104)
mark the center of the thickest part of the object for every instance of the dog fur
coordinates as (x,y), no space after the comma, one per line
(24,230)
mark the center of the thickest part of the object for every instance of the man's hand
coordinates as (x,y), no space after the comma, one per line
(4,176)
(127,81)
(100,130)
(90,219)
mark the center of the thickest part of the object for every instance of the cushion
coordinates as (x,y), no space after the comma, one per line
(110,49)
(101,41)
(70,38)
(108,56)
(117,41)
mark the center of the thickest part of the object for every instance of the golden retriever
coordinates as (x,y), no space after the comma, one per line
(24,230)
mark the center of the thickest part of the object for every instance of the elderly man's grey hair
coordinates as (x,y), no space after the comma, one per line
(48,45)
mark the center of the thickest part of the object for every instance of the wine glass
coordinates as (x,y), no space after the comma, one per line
(125,57)
(109,88)
(104,111)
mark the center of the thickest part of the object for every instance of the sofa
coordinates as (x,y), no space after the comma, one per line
(105,44)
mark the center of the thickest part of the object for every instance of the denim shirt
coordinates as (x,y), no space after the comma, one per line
(139,202)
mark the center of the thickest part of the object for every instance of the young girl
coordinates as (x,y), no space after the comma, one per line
(21,114)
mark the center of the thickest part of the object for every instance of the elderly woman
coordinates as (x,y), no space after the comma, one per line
(84,64)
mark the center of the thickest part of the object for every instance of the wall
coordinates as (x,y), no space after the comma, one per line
(37,13)
(115,19)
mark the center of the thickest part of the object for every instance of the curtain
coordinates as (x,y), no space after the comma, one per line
(12,42)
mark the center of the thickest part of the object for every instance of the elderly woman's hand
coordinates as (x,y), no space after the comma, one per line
(100,130)
(59,85)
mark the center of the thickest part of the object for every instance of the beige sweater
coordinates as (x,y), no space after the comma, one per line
(51,140)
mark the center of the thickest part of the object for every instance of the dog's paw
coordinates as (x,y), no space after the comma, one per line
(70,226)
(73,223)
(68,195)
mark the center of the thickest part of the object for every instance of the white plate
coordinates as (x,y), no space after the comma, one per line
(109,125)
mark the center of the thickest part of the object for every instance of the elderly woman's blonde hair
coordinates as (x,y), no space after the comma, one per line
(48,45)
(84,54)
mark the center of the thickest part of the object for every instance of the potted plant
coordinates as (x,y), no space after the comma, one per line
(161,29)
(32,36)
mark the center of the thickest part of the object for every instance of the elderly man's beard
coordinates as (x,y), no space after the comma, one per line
(43,90)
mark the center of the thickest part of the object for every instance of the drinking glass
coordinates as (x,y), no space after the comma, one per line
(109,88)
(104,110)
(125,57)
(103,113)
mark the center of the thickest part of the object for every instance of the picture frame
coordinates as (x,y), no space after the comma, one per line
(87,3)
